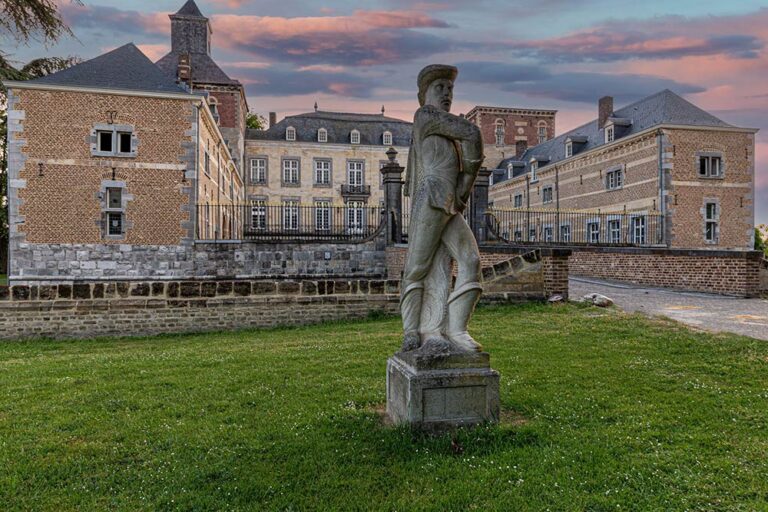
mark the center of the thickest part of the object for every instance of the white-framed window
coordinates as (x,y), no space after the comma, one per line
(548,234)
(518,201)
(290,133)
(710,166)
(355,173)
(542,131)
(322,215)
(322,135)
(510,171)
(532,234)
(638,229)
(258,170)
(710,222)
(547,194)
(322,172)
(355,216)
(290,214)
(565,233)
(259,214)
(115,216)
(290,171)
(113,140)
(593,231)
(614,231)
(387,138)
(614,179)
(609,134)
(568,149)
(354,137)
(499,132)
(534,168)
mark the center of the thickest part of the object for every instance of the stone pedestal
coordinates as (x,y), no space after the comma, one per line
(438,392)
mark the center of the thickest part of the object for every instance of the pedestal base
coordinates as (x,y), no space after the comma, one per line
(448,391)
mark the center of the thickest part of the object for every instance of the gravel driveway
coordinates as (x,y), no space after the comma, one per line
(701,310)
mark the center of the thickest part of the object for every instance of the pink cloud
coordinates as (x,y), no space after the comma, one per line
(98,16)
(761,166)
(154,51)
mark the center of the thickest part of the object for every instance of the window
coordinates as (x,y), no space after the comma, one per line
(290,133)
(387,138)
(638,229)
(355,173)
(115,215)
(322,215)
(569,150)
(546,195)
(608,134)
(290,172)
(258,170)
(548,236)
(114,224)
(113,141)
(565,233)
(259,214)
(207,163)
(614,231)
(290,214)
(510,171)
(518,201)
(593,232)
(534,168)
(710,222)
(710,166)
(322,135)
(354,137)
(518,236)
(499,132)
(355,220)
(614,179)
(322,172)
(532,234)
(542,132)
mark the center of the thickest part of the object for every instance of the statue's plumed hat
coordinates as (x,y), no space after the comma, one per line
(431,73)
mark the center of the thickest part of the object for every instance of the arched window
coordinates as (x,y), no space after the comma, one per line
(290,133)
(499,132)
(354,137)
(322,135)
(542,131)
(387,138)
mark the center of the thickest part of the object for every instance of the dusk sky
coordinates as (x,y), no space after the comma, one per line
(561,54)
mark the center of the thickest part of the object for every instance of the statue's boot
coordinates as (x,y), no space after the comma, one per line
(461,304)
(410,310)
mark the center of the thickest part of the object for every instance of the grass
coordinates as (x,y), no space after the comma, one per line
(618,412)
(3,279)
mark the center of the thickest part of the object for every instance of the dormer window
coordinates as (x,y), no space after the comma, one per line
(568,149)
(609,134)
(322,135)
(387,138)
(534,168)
(354,137)
(290,133)
(510,171)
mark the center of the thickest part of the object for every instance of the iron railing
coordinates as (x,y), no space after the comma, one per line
(566,227)
(355,190)
(288,222)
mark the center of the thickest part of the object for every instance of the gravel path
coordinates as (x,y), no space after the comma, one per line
(701,310)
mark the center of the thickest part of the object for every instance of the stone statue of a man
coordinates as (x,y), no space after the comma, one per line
(445,156)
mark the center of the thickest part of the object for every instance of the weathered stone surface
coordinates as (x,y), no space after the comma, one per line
(81,291)
(447,395)
(598,300)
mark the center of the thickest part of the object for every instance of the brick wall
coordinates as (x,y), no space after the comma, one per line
(724,272)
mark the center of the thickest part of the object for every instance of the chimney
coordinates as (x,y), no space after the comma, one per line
(520,147)
(604,110)
(272,119)
(184,69)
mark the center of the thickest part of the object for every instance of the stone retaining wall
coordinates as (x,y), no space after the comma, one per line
(733,273)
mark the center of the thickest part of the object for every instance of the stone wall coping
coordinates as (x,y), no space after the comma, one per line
(656,251)
(547,252)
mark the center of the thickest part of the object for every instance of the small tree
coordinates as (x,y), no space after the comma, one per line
(255,121)
(761,244)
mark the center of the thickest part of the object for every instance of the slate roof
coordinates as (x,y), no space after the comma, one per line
(190,9)
(339,126)
(123,68)
(664,107)
(204,69)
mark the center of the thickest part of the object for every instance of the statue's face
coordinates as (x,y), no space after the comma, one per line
(440,94)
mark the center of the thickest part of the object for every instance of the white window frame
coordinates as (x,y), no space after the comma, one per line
(711,170)
(258,168)
(516,203)
(548,189)
(590,232)
(565,234)
(614,230)
(322,135)
(387,138)
(534,168)
(289,172)
(290,134)
(610,134)
(499,132)
(290,212)
(614,179)
(711,222)
(353,172)
(355,217)
(259,214)
(354,137)
(322,215)
(568,149)
(322,172)
(548,233)
(541,131)
(639,230)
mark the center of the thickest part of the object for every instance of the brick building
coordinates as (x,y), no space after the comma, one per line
(661,155)
(508,132)
(107,161)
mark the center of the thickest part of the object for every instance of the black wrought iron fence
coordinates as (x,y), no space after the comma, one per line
(288,222)
(521,225)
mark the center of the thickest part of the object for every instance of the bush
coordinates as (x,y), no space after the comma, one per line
(760,243)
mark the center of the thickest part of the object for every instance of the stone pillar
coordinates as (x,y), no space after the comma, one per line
(393,197)
(479,205)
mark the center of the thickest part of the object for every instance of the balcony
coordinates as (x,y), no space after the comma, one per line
(356,191)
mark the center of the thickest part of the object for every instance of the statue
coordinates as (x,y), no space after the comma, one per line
(444,158)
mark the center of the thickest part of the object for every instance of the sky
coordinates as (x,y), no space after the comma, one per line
(553,54)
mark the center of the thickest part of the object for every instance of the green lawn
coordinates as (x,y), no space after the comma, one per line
(604,411)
